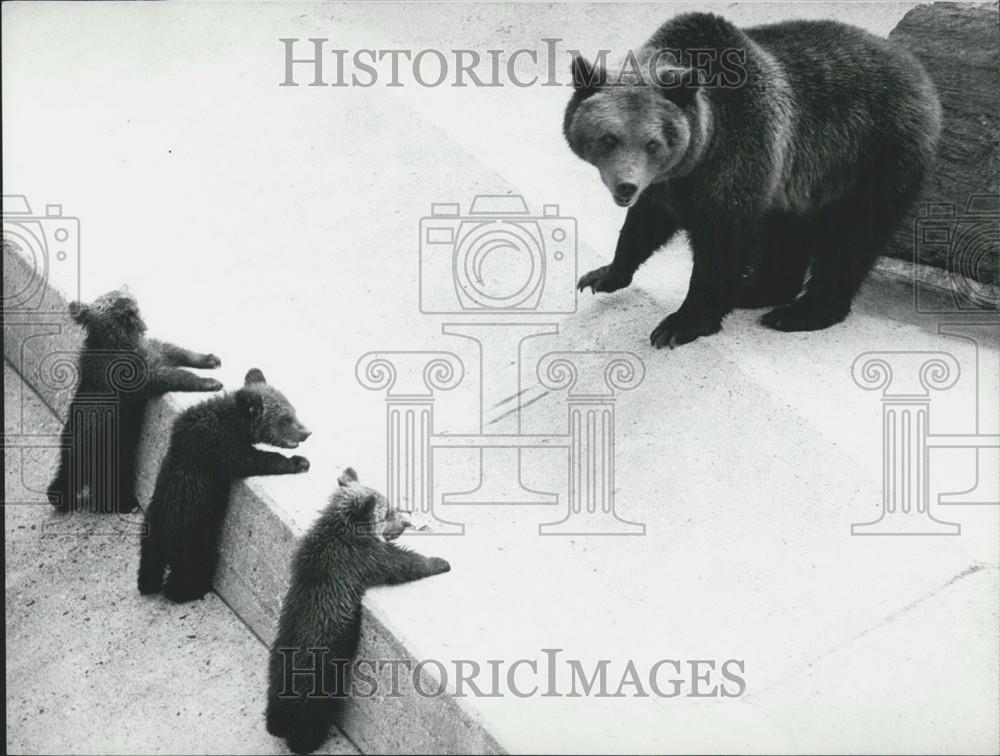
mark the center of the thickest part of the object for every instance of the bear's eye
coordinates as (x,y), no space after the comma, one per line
(608,141)
(652,145)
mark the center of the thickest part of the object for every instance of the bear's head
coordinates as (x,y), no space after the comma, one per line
(639,126)
(366,510)
(271,417)
(111,320)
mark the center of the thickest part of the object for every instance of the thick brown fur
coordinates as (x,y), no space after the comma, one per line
(789,149)
(120,371)
(346,551)
(211,447)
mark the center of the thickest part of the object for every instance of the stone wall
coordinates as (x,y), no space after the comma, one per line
(957,224)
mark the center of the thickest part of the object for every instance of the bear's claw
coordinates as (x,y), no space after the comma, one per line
(603,279)
(682,328)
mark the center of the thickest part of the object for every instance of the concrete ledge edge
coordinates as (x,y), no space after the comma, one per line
(256,546)
(937,279)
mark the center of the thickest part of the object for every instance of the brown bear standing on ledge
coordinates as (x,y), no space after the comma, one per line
(782,150)
(346,551)
(211,447)
(120,372)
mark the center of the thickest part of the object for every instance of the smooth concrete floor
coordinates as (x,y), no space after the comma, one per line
(279,228)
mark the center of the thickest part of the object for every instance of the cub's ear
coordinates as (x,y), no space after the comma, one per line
(78,312)
(679,85)
(586,76)
(249,403)
(347,477)
(254,376)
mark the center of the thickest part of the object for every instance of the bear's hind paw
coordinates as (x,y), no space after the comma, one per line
(210,362)
(803,315)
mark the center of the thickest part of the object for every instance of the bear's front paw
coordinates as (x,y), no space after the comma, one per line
(210,362)
(210,384)
(437,565)
(682,328)
(300,464)
(604,279)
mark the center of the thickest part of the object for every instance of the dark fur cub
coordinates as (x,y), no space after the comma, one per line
(211,446)
(780,149)
(347,551)
(120,371)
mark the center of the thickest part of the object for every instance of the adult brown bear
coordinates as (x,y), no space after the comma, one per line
(782,150)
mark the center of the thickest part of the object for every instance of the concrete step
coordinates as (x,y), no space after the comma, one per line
(92,666)
(259,533)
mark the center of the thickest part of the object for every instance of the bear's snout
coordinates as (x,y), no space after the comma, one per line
(291,436)
(396,523)
(624,192)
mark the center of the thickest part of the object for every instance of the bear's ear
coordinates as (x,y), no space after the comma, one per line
(586,76)
(254,376)
(78,312)
(347,477)
(249,404)
(679,85)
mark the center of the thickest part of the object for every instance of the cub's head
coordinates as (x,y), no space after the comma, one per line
(638,127)
(271,416)
(112,319)
(366,510)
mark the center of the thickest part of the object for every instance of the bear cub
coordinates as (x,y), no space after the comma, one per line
(211,446)
(789,153)
(345,552)
(120,371)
